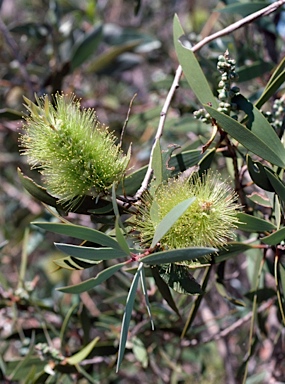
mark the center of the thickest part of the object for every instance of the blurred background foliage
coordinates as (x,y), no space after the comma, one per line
(105,52)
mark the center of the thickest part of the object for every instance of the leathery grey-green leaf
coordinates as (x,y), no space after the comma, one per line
(265,144)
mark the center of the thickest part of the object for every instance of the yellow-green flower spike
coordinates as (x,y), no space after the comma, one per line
(209,222)
(74,152)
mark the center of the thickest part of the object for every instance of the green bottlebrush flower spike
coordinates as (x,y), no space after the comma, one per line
(74,152)
(208,222)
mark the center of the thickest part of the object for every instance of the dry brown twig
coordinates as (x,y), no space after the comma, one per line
(175,84)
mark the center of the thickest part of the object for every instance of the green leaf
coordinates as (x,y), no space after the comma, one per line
(156,165)
(73,263)
(262,200)
(253,224)
(261,139)
(275,238)
(90,253)
(176,255)
(85,47)
(256,69)
(232,249)
(262,294)
(121,239)
(180,279)
(127,316)
(94,281)
(276,183)
(144,290)
(168,221)
(191,68)
(10,114)
(223,292)
(258,174)
(164,290)
(36,190)
(275,81)
(244,8)
(103,61)
(79,232)
(81,355)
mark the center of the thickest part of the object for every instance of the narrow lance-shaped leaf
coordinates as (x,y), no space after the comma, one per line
(176,255)
(144,290)
(180,279)
(127,315)
(254,224)
(191,68)
(164,289)
(172,216)
(93,282)
(79,232)
(90,253)
(85,47)
(275,238)
(73,263)
(261,140)
(81,355)
(276,183)
(121,239)
(275,81)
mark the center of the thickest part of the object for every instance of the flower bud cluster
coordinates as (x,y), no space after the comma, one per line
(48,352)
(202,115)
(227,68)
(226,91)
(276,117)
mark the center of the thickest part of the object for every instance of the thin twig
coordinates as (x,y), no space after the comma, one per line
(17,55)
(236,325)
(263,12)
(127,119)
